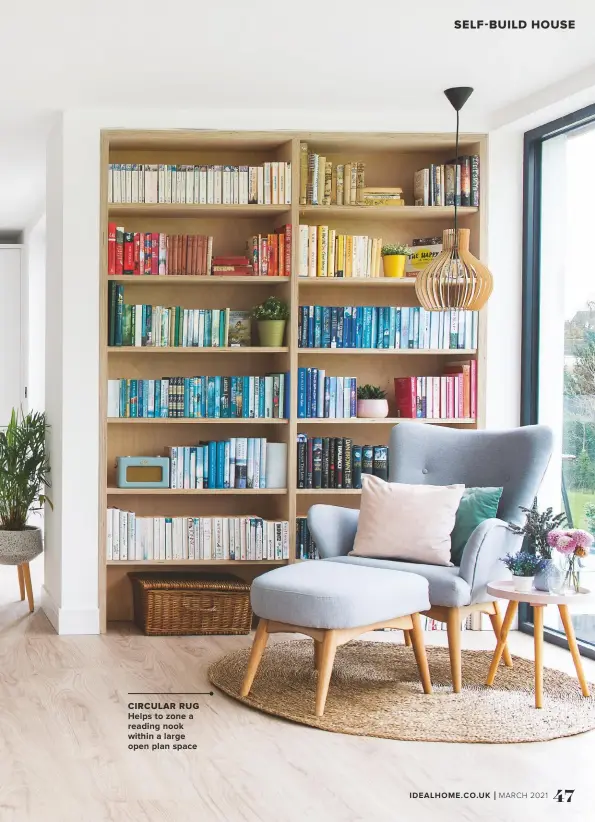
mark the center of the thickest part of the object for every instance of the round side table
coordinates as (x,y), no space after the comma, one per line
(538,600)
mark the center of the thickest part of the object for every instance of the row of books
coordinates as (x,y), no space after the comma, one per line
(336,462)
(159,326)
(270,254)
(322,183)
(305,547)
(258,397)
(157,254)
(449,183)
(324,253)
(451,396)
(239,462)
(267,184)
(132,537)
(390,327)
(326,397)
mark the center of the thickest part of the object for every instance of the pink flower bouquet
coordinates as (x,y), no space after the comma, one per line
(573,544)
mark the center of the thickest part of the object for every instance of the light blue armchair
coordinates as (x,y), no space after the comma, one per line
(431,455)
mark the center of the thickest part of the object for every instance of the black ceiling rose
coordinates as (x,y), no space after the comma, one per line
(458,96)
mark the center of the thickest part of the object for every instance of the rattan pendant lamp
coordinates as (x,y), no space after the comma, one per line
(455,278)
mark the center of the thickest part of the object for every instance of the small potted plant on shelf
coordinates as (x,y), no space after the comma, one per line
(523,566)
(24,474)
(393,259)
(271,316)
(371,402)
(535,531)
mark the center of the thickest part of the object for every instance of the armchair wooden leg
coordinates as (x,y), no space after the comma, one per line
(260,640)
(329,647)
(496,620)
(419,649)
(21,582)
(28,588)
(317,654)
(407,635)
(453,628)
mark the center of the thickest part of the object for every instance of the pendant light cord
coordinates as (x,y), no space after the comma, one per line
(460,176)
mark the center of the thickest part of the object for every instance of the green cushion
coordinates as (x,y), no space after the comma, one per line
(477,505)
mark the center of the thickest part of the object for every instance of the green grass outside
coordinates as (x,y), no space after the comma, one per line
(578,500)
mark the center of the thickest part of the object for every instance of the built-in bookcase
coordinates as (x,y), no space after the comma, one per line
(391,160)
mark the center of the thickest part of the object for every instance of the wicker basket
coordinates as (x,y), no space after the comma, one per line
(184,604)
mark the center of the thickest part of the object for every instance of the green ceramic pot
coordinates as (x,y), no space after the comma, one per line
(271,332)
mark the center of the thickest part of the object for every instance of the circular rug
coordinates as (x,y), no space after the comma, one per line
(375,691)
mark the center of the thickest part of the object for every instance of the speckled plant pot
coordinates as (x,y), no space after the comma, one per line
(17,547)
(547,579)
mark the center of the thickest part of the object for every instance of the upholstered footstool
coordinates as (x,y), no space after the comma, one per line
(333,603)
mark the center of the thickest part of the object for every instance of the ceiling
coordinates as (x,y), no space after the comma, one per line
(311,55)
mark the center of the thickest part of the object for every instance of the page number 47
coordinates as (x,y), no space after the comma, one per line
(563,796)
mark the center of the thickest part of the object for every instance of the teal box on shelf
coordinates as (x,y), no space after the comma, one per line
(142,472)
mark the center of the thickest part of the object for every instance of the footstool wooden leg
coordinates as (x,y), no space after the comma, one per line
(28,588)
(407,635)
(317,654)
(260,640)
(496,620)
(576,657)
(21,582)
(419,649)
(327,658)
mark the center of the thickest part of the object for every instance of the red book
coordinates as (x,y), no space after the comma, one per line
(406,397)
(288,230)
(281,255)
(167,254)
(137,252)
(450,396)
(154,253)
(128,253)
(264,256)
(231,261)
(473,389)
(232,271)
(119,251)
(111,248)
(273,253)
(148,254)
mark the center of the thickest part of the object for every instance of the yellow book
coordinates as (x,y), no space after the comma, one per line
(303,172)
(322,251)
(340,262)
(348,255)
(331,252)
(312,250)
(321,179)
(347,184)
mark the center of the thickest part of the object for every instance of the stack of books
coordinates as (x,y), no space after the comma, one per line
(305,547)
(386,327)
(383,196)
(324,253)
(322,183)
(131,537)
(450,396)
(267,184)
(447,184)
(152,253)
(325,397)
(259,397)
(239,462)
(336,462)
(270,254)
(231,266)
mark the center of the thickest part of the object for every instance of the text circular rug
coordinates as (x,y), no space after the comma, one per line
(375,691)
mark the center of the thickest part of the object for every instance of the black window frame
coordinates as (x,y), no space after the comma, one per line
(531,268)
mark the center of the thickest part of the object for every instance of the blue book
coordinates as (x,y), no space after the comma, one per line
(340,328)
(205,466)
(186,466)
(326,326)
(334,322)
(392,327)
(261,398)
(308,391)
(208,328)
(226,462)
(313,394)
(380,339)
(204,391)
(217,397)
(133,398)
(210,397)
(317,326)
(302,377)
(286,395)
(415,335)
(333,397)
(303,326)
(352,334)
(122,398)
(234,397)
(359,326)
(347,327)
(187,389)
(310,326)
(404,337)
(222,324)
(353,397)
(245,397)
(374,328)
(367,327)
(339,407)
(326,412)
(212,473)
(143,397)
(386,328)
(157,398)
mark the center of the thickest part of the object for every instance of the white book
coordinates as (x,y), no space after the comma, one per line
(116,183)
(242,538)
(181,184)
(268,397)
(198,538)
(156,537)
(149,538)
(253,554)
(207,525)
(128,182)
(251,413)
(226,184)
(262,464)
(281,395)
(258,527)
(270,540)
(190,536)
(237,538)
(287,183)
(115,533)
(123,535)
(346,397)
(303,251)
(278,540)
(281,174)
(141,183)
(218,537)
(168,538)
(176,538)
(110,183)
(312,250)
(225,538)
(267,184)
(429,398)
(151,183)
(217,184)
(276,465)
(138,539)
(210,185)
(285,539)
(232,462)
(243,185)
(235,185)
(161,182)
(443,395)
(168,183)
(162,546)
(231,538)
(113,398)
(339,401)
(109,545)
(260,185)
(256,459)
(189,184)
(202,185)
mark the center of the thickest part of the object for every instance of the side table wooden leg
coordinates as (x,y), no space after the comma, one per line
(496,620)
(510,614)
(576,657)
(538,644)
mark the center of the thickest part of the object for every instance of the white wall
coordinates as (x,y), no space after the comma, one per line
(34,242)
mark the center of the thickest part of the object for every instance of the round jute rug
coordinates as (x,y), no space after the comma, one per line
(375,691)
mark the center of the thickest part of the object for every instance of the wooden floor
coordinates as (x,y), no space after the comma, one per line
(64,757)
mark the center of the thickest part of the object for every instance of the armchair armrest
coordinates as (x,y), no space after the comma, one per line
(480,564)
(333,529)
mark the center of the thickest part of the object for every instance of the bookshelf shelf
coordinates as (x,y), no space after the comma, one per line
(194,492)
(195,421)
(388,212)
(186,279)
(124,210)
(390,160)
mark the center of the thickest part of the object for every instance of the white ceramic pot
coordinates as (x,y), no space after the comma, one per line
(17,547)
(524,585)
(372,409)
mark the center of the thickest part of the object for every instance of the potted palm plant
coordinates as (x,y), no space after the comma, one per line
(371,402)
(271,316)
(394,256)
(24,475)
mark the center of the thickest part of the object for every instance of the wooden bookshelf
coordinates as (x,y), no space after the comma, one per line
(390,159)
